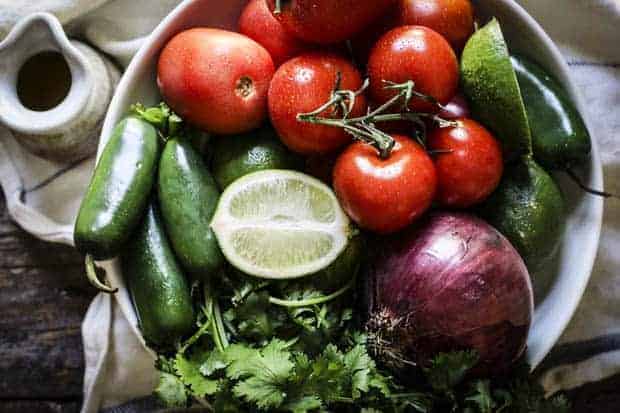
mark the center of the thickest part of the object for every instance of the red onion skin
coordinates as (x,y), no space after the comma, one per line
(454,283)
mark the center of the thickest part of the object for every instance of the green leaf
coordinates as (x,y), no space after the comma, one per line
(171,391)
(256,319)
(447,370)
(360,366)
(482,397)
(215,362)
(304,405)
(418,401)
(238,357)
(189,372)
(265,374)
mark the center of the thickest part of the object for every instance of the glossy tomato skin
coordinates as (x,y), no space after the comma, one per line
(258,23)
(456,108)
(216,79)
(385,195)
(414,53)
(328,21)
(302,85)
(469,163)
(453,19)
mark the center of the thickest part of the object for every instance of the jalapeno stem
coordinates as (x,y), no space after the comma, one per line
(575,178)
(91,273)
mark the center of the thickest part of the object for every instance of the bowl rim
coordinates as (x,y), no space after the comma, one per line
(117,110)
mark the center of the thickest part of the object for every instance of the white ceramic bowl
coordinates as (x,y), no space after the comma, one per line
(576,258)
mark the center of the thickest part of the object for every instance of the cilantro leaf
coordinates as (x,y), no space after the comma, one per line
(482,397)
(304,405)
(447,370)
(189,372)
(255,318)
(265,374)
(215,362)
(171,391)
(359,365)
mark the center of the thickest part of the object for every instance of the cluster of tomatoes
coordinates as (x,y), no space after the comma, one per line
(290,58)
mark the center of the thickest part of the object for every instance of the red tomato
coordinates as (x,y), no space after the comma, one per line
(302,85)
(472,167)
(456,108)
(328,21)
(453,19)
(414,53)
(385,195)
(364,41)
(215,79)
(258,23)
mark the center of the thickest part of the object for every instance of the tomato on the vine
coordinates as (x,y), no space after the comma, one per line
(453,19)
(469,163)
(385,195)
(258,23)
(327,21)
(418,54)
(304,84)
(216,79)
(456,108)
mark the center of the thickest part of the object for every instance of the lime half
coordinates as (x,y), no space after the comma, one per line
(490,84)
(280,225)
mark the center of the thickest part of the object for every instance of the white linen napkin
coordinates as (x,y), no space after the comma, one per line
(43,197)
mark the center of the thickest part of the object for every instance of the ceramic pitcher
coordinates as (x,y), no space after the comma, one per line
(69,130)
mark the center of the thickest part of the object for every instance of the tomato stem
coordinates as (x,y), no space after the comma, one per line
(363,128)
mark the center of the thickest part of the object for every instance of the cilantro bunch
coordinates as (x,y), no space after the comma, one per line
(290,347)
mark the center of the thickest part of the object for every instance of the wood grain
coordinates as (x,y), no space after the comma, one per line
(43,298)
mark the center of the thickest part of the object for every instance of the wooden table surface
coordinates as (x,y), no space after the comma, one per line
(43,298)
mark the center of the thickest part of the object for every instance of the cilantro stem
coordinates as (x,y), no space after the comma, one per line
(204,403)
(193,339)
(214,315)
(312,301)
(217,313)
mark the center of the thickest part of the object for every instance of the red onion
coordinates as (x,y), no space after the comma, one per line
(454,283)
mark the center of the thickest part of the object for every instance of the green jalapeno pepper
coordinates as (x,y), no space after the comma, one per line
(118,193)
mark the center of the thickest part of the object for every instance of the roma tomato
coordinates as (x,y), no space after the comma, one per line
(469,163)
(304,84)
(216,79)
(328,21)
(258,23)
(453,19)
(414,53)
(385,195)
